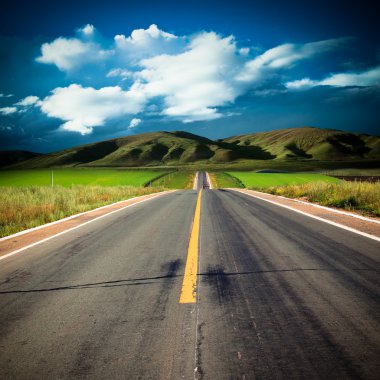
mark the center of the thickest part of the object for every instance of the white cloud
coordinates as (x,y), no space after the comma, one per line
(29,101)
(369,77)
(144,36)
(194,76)
(87,30)
(122,73)
(244,51)
(283,56)
(195,82)
(84,108)
(366,78)
(134,123)
(300,84)
(6,95)
(69,53)
(8,110)
(144,43)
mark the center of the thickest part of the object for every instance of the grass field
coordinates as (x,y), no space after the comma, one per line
(264,180)
(176,180)
(363,197)
(222,180)
(69,177)
(27,207)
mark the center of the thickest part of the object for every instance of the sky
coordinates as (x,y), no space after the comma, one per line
(76,72)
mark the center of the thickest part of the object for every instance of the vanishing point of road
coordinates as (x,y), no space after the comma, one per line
(204,284)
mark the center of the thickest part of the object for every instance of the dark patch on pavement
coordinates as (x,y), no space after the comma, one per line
(218,280)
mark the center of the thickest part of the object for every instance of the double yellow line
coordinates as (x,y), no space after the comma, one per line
(189,285)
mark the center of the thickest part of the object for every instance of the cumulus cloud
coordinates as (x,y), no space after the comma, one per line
(29,101)
(84,108)
(67,53)
(365,78)
(8,110)
(134,123)
(145,36)
(6,95)
(186,78)
(144,43)
(196,81)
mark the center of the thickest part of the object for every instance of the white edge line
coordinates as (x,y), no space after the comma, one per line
(209,181)
(314,217)
(74,228)
(319,206)
(332,209)
(69,218)
(195,186)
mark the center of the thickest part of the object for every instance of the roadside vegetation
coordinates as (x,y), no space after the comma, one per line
(354,172)
(363,197)
(264,180)
(359,196)
(181,179)
(26,207)
(222,180)
(69,177)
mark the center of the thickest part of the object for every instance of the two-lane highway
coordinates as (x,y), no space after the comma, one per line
(279,295)
(102,302)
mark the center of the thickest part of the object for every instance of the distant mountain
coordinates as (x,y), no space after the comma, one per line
(180,148)
(9,157)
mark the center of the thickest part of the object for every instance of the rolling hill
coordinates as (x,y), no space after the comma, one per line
(312,143)
(182,148)
(9,157)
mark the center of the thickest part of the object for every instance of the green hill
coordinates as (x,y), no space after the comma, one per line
(9,157)
(312,143)
(182,148)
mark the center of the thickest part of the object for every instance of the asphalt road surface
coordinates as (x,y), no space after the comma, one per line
(202,181)
(279,296)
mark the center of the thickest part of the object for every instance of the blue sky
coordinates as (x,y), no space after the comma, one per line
(76,72)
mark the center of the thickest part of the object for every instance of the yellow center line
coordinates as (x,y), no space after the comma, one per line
(189,285)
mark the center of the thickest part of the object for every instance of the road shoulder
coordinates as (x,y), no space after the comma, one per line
(366,226)
(18,242)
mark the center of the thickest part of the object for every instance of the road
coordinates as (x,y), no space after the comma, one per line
(279,296)
(202,181)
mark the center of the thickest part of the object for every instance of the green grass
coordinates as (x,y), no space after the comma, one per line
(363,197)
(69,177)
(263,180)
(176,180)
(222,180)
(27,207)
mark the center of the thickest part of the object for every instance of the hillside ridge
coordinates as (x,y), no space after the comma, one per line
(182,148)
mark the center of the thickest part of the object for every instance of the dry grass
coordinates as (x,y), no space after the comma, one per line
(27,207)
(354,196)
